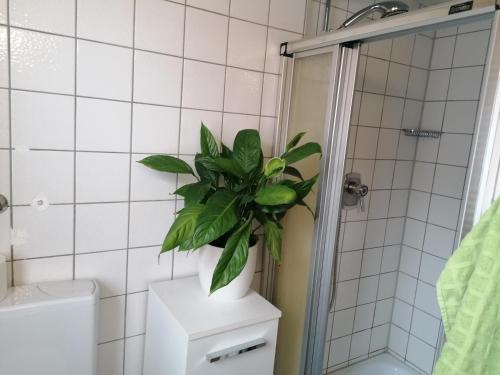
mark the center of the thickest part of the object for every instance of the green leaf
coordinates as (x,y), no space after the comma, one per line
(233,258)
(217,218)
(274,167)
(206,168)
(273,195)
(167,163)
(303,188)
(301,152)
(294,141)
(208,143)
(293,172)
(183,227)
(272,235)
(230,166)
(193,193)
(226,152)
(246,149)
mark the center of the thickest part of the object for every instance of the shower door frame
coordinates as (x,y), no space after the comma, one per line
(483,167)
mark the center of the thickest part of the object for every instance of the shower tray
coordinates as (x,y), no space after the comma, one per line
(382,364)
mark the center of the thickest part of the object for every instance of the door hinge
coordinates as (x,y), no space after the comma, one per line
(284,50)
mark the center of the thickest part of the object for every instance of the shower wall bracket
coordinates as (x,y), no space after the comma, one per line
(284,50)
(422,133)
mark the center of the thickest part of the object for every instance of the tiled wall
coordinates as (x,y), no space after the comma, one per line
(390,90)
(89,87)
(455,77)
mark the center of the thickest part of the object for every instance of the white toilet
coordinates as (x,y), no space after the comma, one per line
(49,329)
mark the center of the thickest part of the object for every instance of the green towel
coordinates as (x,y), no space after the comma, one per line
(468,292)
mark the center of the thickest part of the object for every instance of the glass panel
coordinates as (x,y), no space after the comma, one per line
(308,109)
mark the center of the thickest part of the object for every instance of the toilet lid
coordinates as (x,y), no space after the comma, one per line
(68,289)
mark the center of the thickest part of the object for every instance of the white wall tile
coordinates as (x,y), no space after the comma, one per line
(148,184)
(407,147)
(417,83)
(375,75)
(366,142)
(383,311)
(134,355)
(397,82)
(110,78)
(420,354)
(425,327)
(256,11)
(426,300)
(3,11)
(390,258)
(111,318)
(206,36)
(274,39)
(460,117)
(439,241)
(394,231)
(243,91)
(5,234)
(405,289)
(45,233)
(56,16)
(190,128)
(360,344)
(153,20)
(438,84)
(110,358)
(444,211)
(414,233)
(465,83)
(32,178)
(449,181)
(442,55)
(365,168)
(471,49)
(186,264)
(454,149)
(270,95)
(107,268)
(418,205)
(379,204)
(155,129)
(203,86)
(384,171)
(102,177)
(157,79)
(410,261)
(109,21)
(287,14)
(398,340)
(387,285)
(144,267)
(233,123)
(380,49)
(4,63)
(47,115)
(339,351)
(375,233)
(4,118)
(401,314)
(371,109)
(343,322)
(398,203)
(219,6)
(422,51)
(423,176)
(31,271)
(393,112)
(430,268)
(354,236)
(474,26)
(367,289)
(350,265)
(402,175)
(346,294)
(432,116)
(149,222)
(372,259)
(136,313)
(427,150)
(42,62)
(246,45)
(379,337)
(101,227)
(102,125)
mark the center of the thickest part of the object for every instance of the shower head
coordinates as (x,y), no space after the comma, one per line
(385,8)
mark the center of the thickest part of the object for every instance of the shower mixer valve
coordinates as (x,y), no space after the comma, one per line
(354,192)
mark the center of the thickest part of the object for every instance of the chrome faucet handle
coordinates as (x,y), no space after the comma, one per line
(4,203)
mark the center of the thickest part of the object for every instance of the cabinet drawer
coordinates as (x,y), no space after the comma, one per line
(245,351)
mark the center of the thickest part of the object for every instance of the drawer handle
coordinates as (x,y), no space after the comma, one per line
(235,350)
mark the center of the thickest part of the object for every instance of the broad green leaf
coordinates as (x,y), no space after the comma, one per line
(272,235)
(230,166)
(233,258)
(273,195)
(217,218)
(274,167)
(301,152)
(193,193)
(206,168)
(277,209)
(293,172)
(183,227)
(167,163)
(246,149)
(294,141)
(302,203)
(208,143)
(303,188)
(226,152)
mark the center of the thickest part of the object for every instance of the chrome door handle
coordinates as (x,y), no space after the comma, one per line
(235,350)
(4,203)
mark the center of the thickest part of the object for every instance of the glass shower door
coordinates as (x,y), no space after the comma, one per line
(317,99)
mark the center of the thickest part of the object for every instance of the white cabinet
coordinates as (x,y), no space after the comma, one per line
(189,334)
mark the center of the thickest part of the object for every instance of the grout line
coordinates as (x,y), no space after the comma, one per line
(11,163)
(75,82)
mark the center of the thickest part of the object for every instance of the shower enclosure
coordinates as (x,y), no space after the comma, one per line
(407,106)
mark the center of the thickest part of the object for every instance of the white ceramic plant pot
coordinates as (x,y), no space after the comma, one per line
(238,288)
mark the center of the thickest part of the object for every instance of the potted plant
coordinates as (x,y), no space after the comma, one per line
(234,196)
